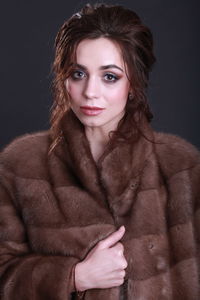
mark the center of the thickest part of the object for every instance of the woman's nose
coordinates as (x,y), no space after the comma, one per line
(92,88)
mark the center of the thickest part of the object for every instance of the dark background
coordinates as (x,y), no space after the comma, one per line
(28,30)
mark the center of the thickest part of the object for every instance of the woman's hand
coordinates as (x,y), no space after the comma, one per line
(104,265)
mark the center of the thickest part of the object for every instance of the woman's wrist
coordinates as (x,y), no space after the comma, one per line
(80,277)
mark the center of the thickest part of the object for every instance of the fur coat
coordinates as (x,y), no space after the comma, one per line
(55,208)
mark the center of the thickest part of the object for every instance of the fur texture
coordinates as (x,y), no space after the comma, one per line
(54,209)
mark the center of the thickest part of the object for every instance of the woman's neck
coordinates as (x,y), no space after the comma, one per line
(98,140)
(99,136)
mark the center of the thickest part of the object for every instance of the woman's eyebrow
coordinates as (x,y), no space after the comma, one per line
(79,66)
(111,66)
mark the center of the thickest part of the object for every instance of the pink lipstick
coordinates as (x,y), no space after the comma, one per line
(91,110)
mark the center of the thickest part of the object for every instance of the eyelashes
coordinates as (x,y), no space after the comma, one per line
(76,75)
(108,77)
(111,77)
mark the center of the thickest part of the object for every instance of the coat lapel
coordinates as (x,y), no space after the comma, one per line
(75,151)
(117,175)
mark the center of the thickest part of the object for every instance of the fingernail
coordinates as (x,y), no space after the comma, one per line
(122,228)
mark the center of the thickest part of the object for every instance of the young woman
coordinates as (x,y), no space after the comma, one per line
(100,206)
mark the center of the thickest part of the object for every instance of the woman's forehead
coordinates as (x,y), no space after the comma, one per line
(101,51)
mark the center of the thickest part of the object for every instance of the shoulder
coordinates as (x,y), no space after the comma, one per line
(26,152)
(175,154)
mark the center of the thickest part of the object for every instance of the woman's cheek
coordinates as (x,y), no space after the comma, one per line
(75,89)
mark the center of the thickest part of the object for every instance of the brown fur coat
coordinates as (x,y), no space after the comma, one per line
(54,209)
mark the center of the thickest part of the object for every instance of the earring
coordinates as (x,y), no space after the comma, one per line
(130,96)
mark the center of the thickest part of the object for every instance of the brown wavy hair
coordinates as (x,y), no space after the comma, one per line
(122,26)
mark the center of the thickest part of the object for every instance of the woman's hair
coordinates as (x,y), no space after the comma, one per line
(122,26)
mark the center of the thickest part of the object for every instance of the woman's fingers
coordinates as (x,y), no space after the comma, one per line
(121,262)
(104,264)
(112,239)
(119,249)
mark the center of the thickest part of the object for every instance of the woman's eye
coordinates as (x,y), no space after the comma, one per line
(77,75)
(110,77)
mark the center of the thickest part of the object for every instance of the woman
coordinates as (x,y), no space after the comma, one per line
(100,206)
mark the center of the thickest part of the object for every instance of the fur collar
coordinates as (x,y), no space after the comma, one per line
(119,167)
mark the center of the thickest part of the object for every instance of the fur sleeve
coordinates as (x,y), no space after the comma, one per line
(180,165)
(25,274)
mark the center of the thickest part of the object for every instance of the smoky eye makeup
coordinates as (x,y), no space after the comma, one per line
(107,77)
(110,77)
(77,74)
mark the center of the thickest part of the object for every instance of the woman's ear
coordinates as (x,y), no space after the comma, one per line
(130,95)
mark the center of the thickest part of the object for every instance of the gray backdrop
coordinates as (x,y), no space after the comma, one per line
(28,30)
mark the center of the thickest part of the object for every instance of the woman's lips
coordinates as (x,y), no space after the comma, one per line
(91,110)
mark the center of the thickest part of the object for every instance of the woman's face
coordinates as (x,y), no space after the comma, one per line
(98,85)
